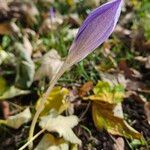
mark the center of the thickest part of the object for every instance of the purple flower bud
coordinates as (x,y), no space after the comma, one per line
(52,13)
(96,29)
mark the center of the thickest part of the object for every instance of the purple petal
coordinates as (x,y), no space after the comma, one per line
(96,29)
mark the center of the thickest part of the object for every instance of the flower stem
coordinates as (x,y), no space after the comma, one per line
(52,83)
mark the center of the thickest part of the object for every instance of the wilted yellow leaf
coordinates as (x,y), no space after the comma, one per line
(104,116)
(70,2)
(61,124)
(106,93)
(57,100)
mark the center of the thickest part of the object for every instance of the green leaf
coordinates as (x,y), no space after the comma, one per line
(107,93)
(102,87)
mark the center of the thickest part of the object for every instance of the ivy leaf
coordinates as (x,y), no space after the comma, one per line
(56,100)
(62,125)
(109,117)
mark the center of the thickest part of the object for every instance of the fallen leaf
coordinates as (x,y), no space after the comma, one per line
(114,79)
(13,92)
(7,92)
(85,88)
(30,12)
(147,65)
(121,31)
(50,63)
(71,33)
(124,67)
(51,24)
(18,120)
(107,110)
(6,57)
(27,45)
(56,100)
(4,5)
(49,142)
(104,117)
(119,144)
(61,124)
(93,3)
(70,2)
(105,92)
(3,56)
(147,111)
(3,85)
(25,67)
(9,28)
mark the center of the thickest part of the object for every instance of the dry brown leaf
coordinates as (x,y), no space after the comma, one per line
(27,45)
(50,24)
(3,5)
(114,78)
(30,11)
(147,111)
(85,88)
(9,28)
(147,65)
(5,109)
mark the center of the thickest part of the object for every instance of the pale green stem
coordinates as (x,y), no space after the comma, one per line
(52,83)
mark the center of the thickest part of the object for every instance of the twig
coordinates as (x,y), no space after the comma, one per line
(38,134)
(86,110)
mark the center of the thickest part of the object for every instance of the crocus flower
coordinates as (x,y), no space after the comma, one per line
(52,13)
(96,29)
